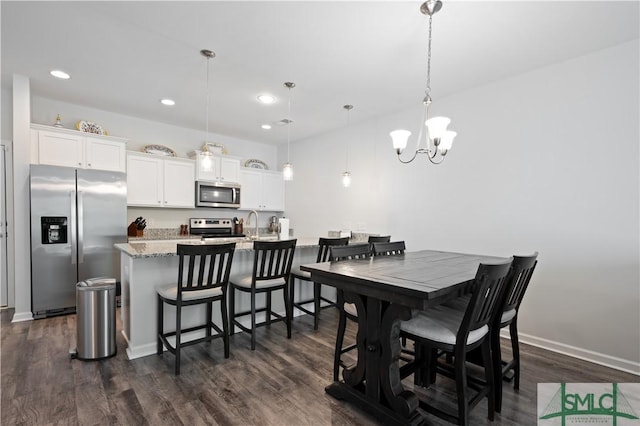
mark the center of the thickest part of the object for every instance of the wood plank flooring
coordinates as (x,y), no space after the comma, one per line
(280,383)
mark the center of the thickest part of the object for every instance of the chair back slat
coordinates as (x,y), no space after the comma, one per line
(487,290)
(519,277)
(389,249)
(203,262)
(349,252)
(273,259)
(324,244)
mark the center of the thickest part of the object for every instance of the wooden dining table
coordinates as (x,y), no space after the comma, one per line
(385,290)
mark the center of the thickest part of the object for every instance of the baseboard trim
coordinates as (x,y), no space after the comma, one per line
(580,353)
(22,316)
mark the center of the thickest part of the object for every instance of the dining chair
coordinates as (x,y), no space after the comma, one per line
(442,328)
(389,249)
(378,239)
(203,277)
(296,273)
(506,315)
(347,310)
(519,277)
(271,268)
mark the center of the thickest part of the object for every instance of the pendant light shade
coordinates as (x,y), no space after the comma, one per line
(287,171)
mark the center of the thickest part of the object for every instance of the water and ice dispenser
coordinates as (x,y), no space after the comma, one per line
(54,229)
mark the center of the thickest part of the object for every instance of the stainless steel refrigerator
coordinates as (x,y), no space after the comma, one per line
(77,216)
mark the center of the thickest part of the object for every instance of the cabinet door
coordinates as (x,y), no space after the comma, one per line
(250,190)
(59,149)
(144,181)
(105,155)
(207,167)
(229,169)
(272,191)
(179,183)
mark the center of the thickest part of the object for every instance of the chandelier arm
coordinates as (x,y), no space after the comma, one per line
(432,158)
(415,154)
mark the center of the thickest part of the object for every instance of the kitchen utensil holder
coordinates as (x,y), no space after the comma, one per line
(133,231)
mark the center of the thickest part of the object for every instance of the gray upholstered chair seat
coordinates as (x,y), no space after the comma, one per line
(440,324)
(244,280)
(350,308)
(508,315)
(300,273)
(170,291)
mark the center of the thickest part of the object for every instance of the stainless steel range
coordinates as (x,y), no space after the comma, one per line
(212,228)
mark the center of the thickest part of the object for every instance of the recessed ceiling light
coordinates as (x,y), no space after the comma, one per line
(266,126)
(60,74)
(167,102)
(266,99)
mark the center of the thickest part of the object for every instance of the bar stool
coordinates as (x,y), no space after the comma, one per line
(323,254)
(271,269)
(204,284)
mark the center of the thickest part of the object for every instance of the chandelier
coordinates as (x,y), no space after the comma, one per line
(437,139)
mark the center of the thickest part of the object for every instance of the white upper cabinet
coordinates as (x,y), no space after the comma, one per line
(154,181)
(71,148)
(216,167)
(261,190)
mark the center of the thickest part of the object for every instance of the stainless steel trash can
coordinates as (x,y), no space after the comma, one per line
(96,318)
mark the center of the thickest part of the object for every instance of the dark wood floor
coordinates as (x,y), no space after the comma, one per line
(280,383)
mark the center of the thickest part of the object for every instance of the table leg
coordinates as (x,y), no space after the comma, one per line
(374,382)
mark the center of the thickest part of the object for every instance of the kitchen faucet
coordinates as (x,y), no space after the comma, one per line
(249,221)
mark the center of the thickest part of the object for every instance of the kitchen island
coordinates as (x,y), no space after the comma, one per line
(149,264)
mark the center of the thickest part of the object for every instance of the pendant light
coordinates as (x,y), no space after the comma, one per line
(206,160)
(346,176)
(439,139)
(287,168)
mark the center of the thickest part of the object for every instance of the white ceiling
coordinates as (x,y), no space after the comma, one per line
(125,56)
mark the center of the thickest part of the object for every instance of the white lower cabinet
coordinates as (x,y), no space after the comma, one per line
(154,181)
(261,190)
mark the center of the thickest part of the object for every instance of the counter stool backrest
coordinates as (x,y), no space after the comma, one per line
(324,245)
(273,259)
(389,249)
(202,267)
(350,252)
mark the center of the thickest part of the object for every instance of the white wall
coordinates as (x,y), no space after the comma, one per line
(6,115)
(545,161)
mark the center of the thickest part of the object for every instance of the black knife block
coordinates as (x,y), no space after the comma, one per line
(133,231)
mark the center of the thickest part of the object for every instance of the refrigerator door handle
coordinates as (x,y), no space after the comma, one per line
(80,227)
(72,198)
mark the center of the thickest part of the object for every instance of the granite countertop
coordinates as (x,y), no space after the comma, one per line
(159,248)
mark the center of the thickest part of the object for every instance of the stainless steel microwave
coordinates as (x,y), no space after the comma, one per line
(217,194)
